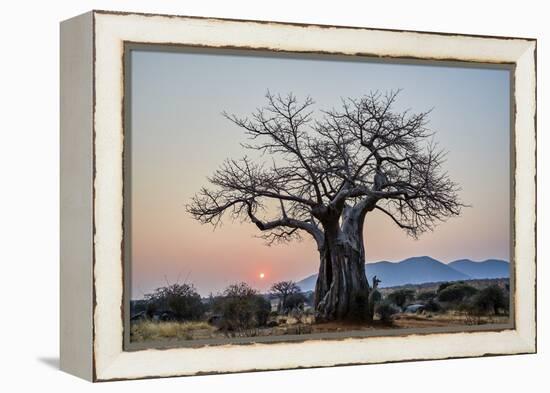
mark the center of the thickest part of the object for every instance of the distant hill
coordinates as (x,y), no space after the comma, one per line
(413,271)
(308,283)
(418,270)
(491,268)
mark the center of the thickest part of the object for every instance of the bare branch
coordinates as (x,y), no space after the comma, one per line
(366,155)
(401,225)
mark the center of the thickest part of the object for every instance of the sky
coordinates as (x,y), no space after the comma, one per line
(179,137)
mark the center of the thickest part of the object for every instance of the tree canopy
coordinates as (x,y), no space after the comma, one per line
(363,156)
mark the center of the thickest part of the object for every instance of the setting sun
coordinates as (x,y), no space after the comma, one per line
(262,275)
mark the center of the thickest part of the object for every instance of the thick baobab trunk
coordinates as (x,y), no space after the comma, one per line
(342,290)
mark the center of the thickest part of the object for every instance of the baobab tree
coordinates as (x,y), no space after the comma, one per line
(283,289)
(323,176)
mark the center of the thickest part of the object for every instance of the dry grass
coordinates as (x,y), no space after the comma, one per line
(446,319)
(288,325)
(151,330)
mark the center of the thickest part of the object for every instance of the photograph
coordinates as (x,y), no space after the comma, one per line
(235,196)
(275,196)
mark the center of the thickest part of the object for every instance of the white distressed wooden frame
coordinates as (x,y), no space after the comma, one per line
(92,89)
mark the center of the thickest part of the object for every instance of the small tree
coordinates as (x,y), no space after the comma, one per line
(426,296)
(182,299)
(282,290)
(295,301)
(151,309)
(491,299)
(456,293)
(401,296)
(444,285)
(432,305)
(242,308)
(263,308)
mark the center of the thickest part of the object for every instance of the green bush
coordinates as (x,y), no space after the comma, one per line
(456,293)
(400,297)
(426,296)
(295,301)
(432,306)
(263,309)
(444,285)
(241,308)
(386,310)
(491,299)
(182,299)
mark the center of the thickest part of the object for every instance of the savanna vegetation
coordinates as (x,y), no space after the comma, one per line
(177,312)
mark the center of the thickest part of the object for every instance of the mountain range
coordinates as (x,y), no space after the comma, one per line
(418,270)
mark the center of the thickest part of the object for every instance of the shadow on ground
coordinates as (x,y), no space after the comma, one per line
(52,362)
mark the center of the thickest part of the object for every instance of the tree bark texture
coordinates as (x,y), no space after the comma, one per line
(342,289)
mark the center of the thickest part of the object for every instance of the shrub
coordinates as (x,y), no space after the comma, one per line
(432,306)
(295,301)
(385,311)
(490,299)
(182,299)
(151,309)
(242,308)
(443,285)
(401,296)
(456,293)
(426,296)
(263,309)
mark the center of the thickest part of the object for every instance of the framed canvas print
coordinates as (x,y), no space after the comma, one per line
(246,195)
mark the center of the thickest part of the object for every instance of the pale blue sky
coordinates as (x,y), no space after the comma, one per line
(179,138)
